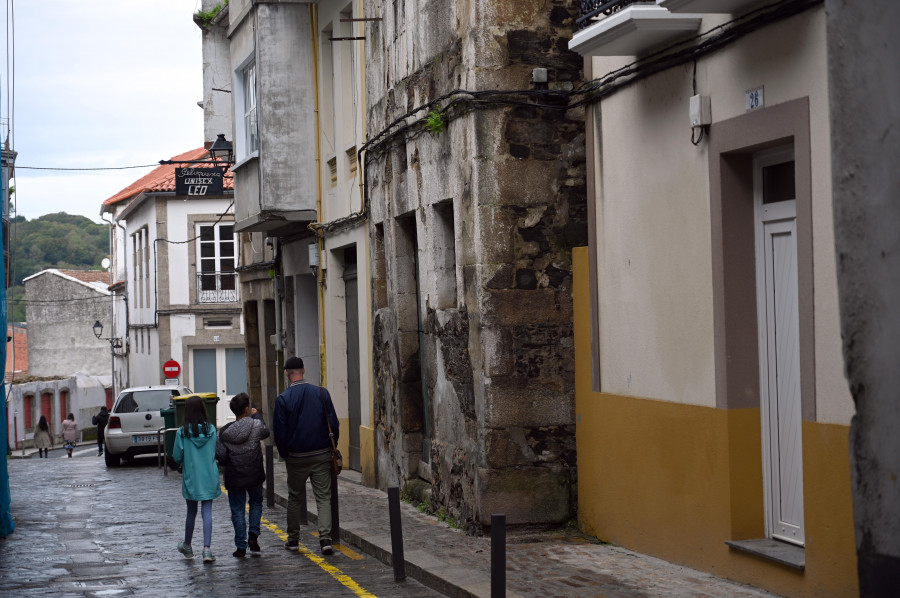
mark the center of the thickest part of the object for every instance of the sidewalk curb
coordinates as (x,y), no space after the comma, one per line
(421,565)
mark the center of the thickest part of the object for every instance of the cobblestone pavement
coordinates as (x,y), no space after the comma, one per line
(84,530)
(539,565)
(67,551)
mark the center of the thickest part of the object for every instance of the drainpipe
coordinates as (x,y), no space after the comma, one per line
(320,241)
(279,332)
(112,312)
(125,340)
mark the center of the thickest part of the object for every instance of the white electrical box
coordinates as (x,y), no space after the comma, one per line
(313,255)
(701,115)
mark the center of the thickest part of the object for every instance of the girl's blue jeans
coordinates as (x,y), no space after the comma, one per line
(206,513)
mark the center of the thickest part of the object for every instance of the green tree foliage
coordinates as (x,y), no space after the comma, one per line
(56,240)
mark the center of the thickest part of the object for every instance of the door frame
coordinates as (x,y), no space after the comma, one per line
(732,143)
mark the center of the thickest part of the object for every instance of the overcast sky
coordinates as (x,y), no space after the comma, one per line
(104,83)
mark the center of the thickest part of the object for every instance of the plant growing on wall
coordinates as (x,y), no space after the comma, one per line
(435,122)
(204,17)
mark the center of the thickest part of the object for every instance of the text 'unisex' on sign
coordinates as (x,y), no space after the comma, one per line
(199,182)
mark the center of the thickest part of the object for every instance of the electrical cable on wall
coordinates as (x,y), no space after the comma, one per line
(593,91)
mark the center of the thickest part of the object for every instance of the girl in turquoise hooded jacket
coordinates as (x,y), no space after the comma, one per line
(195,451)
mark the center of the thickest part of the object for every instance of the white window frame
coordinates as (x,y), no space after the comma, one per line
(247,128)
(221,294)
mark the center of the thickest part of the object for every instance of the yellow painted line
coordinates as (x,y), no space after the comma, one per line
(346,551)
(333,571)
(336,573)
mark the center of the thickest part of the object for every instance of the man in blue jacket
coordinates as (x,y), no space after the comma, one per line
(303,441)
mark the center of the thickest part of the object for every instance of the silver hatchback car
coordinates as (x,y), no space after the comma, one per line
(135,419)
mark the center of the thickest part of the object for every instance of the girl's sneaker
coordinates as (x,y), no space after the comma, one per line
(208,556)
(187,551)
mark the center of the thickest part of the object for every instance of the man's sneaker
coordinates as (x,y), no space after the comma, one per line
(326,547)
(208,556)
(187,551)
(240,553)
(292,545)
(252,544)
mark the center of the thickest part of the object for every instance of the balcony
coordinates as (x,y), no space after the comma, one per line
(628,27)
(707,6)
(217,287)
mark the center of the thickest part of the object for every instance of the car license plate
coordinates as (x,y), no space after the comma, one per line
(144,438)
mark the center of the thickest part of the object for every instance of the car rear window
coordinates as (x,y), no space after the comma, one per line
(144,400)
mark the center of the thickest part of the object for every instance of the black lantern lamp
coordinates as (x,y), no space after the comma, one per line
(222,150)
(114,343)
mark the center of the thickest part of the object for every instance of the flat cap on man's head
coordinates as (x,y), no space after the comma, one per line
(293,363)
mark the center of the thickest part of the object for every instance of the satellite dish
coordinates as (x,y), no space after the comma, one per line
(105,263)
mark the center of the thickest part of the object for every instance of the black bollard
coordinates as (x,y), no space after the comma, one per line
(335,512)
(397,557)
(270,475)
(498,556)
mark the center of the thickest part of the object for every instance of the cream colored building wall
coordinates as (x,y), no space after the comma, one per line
(335,315)
(341,88)
(653,221)
(653,228)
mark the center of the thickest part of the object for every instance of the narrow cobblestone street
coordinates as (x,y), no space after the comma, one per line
(83,530)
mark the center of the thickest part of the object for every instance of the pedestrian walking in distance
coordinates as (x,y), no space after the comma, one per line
(69,433)
(303,441)
(100,420)
(238,451)
(43,439)
(195,451)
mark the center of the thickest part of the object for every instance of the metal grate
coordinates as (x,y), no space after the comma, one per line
(591,8)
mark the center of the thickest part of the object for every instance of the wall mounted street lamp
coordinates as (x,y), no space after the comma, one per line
(114,343)
(221,150)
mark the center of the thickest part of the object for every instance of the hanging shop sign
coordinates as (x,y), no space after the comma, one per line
(199,181)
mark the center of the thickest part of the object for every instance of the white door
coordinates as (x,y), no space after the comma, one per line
(222,371)
(779,343)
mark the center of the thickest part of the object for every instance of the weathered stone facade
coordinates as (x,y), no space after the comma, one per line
(475,203)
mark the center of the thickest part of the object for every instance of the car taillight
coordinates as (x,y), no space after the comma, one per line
(114,422)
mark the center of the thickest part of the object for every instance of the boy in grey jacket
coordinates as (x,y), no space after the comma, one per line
(238,450)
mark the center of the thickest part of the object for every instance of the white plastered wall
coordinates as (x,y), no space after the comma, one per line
(653,218)
(181,254)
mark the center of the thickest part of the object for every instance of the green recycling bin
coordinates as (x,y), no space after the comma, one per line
(210,400)
(168,416)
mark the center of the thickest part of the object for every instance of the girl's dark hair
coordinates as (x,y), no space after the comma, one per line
(71,416)
(42,424)
(195,420)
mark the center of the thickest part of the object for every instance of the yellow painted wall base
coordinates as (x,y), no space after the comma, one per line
(344,439)
(676,481)
(366,451)
(367,455)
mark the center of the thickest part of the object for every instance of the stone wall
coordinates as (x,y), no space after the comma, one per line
(61,313)
(473,219)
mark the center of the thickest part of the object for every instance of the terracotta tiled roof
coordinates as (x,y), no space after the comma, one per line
(88,276)
(162,178)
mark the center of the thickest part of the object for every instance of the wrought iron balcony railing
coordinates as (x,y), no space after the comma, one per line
(591,8)
(217,287)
